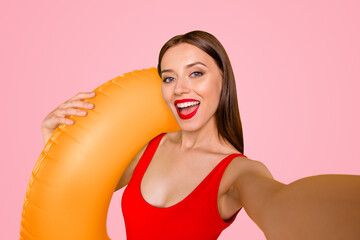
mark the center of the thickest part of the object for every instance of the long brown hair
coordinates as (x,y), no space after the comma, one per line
(227,114)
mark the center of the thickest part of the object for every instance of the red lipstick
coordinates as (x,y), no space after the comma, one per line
(190,115)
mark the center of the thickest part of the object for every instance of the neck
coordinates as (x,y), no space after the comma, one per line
(205,137)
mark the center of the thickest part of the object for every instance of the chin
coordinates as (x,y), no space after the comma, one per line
(189,126)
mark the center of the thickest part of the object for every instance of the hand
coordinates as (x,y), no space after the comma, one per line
(57,116)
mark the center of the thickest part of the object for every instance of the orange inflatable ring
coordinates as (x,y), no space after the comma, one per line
(74,178)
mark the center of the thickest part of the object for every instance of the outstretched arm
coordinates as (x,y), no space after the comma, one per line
(316,207)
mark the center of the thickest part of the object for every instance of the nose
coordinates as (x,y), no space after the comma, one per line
(181,86)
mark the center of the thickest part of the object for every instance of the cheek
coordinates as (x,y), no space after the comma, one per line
(219,88)
(162,91)
(215,92)
(211,89)
(166,94)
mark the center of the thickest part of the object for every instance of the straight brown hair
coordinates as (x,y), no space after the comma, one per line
(227,114)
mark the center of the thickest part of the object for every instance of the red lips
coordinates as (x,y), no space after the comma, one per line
(184,100)
(190,115)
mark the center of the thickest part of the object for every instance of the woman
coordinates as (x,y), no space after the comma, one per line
(190,184)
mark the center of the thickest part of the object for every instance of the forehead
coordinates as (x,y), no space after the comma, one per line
(183,54)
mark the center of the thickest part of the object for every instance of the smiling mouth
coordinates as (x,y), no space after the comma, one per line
(187,110)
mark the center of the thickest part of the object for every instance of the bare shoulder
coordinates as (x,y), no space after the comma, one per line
(252,186)
(241,166)
(126,176)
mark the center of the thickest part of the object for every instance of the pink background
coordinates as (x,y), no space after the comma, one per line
(296,65)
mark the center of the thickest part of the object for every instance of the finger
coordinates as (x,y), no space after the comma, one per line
(83,104)
(77,104)
(66,121)
(83,95)
(69,112)
(62,120)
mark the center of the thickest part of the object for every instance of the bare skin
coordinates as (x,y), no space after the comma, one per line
(172,175)
(68,108)
(315,207)
(184,158)
(196,145)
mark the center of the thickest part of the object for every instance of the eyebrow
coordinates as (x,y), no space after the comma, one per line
(187,66)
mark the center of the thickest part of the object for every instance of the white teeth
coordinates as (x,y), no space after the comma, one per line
(187,104)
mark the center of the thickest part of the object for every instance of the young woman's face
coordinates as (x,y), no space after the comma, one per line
(191,85)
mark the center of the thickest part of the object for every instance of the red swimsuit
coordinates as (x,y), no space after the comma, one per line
(195,217)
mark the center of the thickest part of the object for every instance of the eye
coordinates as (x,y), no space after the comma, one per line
(166,79)
(197,73)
